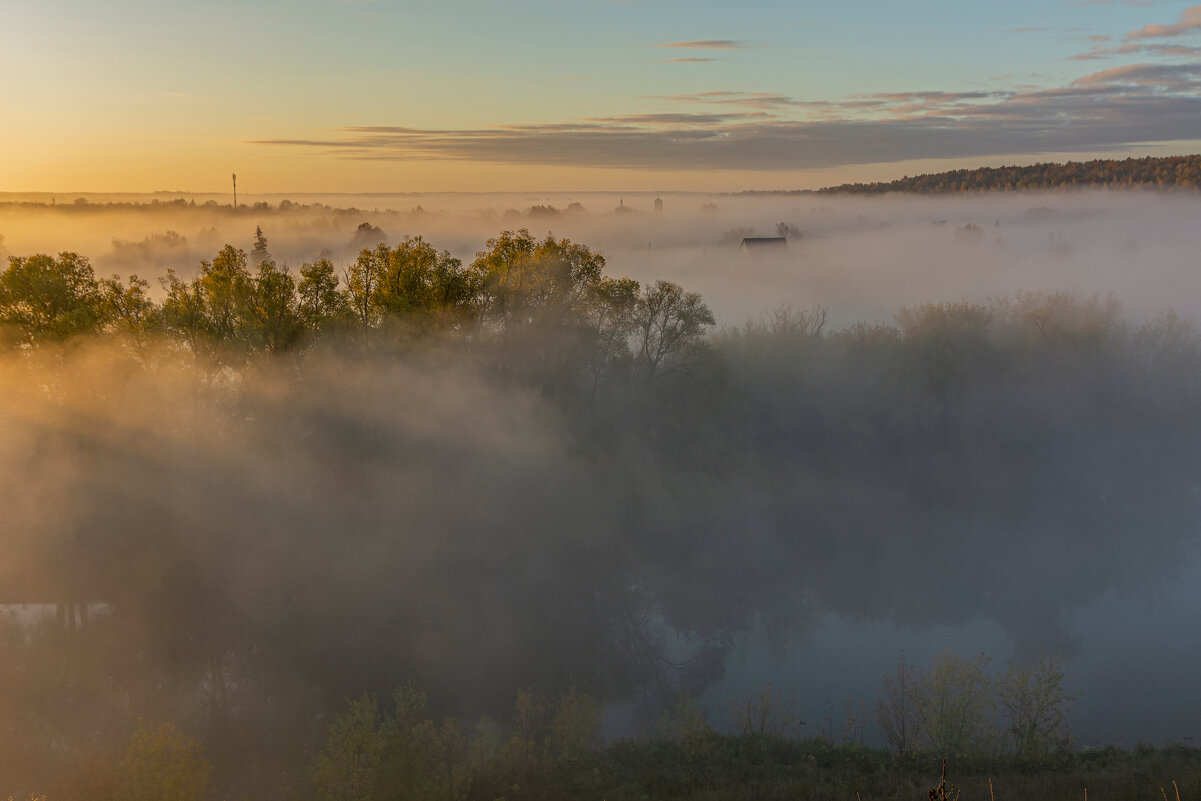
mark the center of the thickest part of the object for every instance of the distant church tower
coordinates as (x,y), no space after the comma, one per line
(658,205)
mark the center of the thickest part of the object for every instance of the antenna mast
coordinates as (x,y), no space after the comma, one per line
(235,191)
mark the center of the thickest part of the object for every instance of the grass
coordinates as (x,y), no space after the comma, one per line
(737,768)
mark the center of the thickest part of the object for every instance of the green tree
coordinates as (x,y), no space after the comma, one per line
(274,319)
(417,278)
(226,286)
(574,727)
(185,313)
(163,764)
(955,705)
(412,280)
(1035,707)
(540,283)
(550,314)
(259,252)
(426,761)
(227,308)
(363,281)
(404,757)
(128,307)
(355,750)
(47,298)
(321,301)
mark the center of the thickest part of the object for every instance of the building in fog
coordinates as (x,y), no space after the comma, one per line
(658,205)
(763,244)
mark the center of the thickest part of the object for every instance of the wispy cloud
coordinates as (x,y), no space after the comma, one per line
(1142,42)
(1043,29)
(1163,77)
(1133,3)
(756,100)
(679,118)
(707,44)
(1104,110)
(1189,22)
(1140,49)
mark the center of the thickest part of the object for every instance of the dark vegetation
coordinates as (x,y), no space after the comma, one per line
(522,478)
(1164,172)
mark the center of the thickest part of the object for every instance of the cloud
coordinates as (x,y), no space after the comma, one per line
(1189,22)
(1104,110)
(679,118)
(758,100)
(1133,3)
(1140,42)
(1174,77)
(707,44)
(1140,49)
(1043,29)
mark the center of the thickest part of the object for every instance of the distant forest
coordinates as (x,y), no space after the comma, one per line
(1168,172)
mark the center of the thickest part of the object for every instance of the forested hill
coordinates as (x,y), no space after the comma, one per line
(1166,172)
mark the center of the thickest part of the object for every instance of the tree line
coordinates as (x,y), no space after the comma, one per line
(380,747)
(241,304)
(1163,172)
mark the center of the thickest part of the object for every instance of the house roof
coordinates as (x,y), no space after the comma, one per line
(763,241)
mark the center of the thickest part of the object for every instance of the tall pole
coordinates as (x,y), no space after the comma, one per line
(235,191)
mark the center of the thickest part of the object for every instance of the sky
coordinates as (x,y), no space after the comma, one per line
(653,95)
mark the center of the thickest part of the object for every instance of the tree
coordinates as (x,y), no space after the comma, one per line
(766,714)
(47,298)
(1034,703)
(259,253)
(788,230)
(412,278)
(367,236)
(216,307)
(611,316)
(574,727)
(898,713)
(274,321)
(955,705)
(550,313)
(362,285)
(416,278)
(669,329)
(226,287)
(355,750)
(320,299)
(185,313)
(128,308)
(536,283)
(163,764)
(404,757)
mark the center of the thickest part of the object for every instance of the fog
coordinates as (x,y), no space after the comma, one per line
(270,539)
(862,258)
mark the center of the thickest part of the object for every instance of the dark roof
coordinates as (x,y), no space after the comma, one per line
(764,241)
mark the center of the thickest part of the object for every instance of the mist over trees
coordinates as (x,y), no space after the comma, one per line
(520,473)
